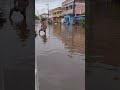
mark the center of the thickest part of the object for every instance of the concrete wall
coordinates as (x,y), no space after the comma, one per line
(79,8)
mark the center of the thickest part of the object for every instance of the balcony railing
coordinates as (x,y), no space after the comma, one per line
(67,12)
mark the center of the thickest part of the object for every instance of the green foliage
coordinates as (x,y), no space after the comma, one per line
(82,22)
(36,18)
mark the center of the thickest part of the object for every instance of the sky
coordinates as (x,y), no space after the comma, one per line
(41,7)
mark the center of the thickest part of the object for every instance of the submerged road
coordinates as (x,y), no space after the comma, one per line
(60,58)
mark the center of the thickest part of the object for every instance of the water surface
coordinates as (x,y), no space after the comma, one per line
(60,58)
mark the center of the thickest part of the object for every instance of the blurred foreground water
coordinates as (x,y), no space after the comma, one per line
(60,58)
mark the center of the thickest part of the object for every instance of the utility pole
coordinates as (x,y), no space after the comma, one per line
(48,18)
(73,11)
(48,10)
(73,8)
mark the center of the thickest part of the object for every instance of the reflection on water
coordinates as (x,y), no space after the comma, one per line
(60,58)
(19,40)
(70,39)
(44,38)
(73,37)
(17,35)
(22,31)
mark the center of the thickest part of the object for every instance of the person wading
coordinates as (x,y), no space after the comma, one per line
(19,5)
(43,28)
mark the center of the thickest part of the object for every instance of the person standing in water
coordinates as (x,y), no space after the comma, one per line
(43,27)
(19,5)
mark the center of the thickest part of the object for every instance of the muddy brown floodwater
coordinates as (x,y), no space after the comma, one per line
(60,58)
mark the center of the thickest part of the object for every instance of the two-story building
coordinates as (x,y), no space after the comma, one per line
(68,7)
(72,9)
(57,14)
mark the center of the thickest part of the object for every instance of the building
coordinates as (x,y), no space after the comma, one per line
(57,14)
(73,11)
(68,7)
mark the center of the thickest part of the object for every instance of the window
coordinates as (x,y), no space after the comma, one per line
(60,12)
(66,8)
(70,7)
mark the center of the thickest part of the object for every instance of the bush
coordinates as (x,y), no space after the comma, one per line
(82,22)
(36,18)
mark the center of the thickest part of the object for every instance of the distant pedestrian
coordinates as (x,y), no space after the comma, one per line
(19,5)
(43,27)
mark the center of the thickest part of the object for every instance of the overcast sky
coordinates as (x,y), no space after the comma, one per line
(41,7)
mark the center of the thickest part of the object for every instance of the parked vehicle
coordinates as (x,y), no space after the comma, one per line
(77,19)
(50,21)
(69,19)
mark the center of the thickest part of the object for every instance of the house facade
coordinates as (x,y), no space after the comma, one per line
(68,7)
(57,14)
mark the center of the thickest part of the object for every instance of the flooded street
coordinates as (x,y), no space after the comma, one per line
(60,58)
(19,35)
(17,48)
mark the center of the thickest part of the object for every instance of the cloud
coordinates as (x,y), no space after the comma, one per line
(41,7)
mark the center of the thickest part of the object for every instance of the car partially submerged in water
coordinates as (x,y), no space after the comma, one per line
(2,17)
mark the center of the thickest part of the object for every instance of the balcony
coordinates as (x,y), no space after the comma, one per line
(67,12)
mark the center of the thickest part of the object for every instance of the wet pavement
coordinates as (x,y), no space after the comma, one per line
(60,58)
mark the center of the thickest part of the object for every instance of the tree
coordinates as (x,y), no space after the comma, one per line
(37,18)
